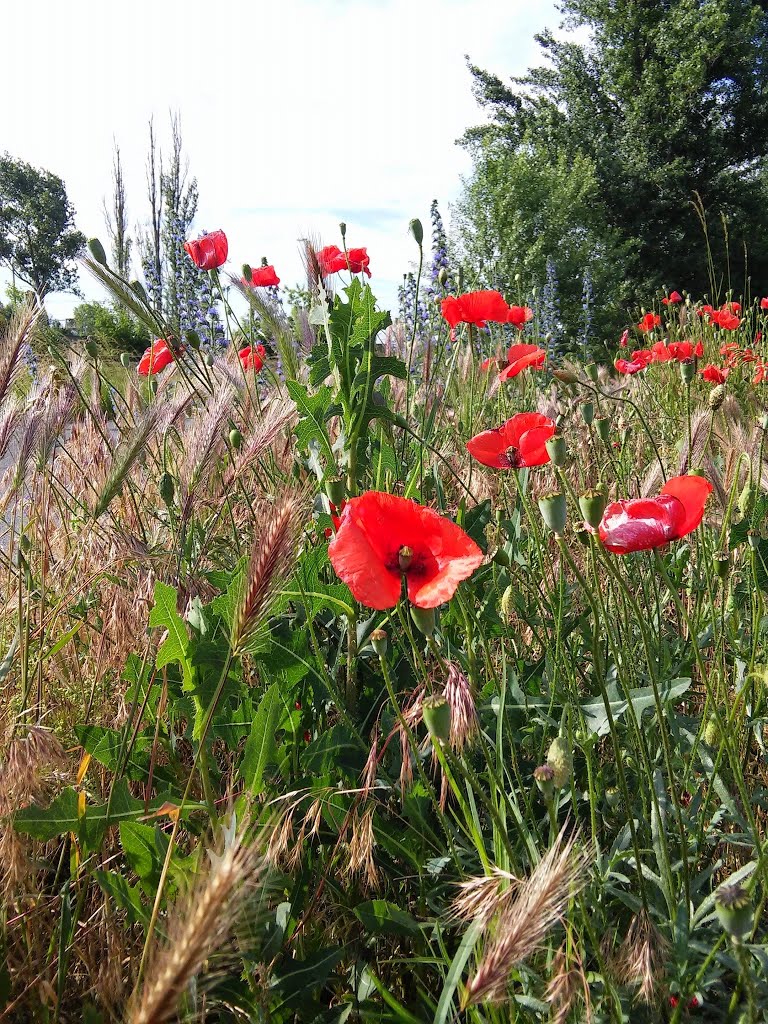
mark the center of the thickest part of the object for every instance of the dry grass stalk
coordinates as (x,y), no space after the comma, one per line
(567,984)
(483,897)
(19,332)
(361,844)
(522,924)
(641,958)
(458,694)
(197,929)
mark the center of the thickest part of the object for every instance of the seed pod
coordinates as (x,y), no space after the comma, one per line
(436,712)
(235,438)
(722,563)
(603,425)
(554,511)
(612,797)
(588,412)
(734,911)
(379,641)
(560,760)
(687,371)
(591,371)
(557,450)
(335,489)
(592,505)
(424,619)
(343,229)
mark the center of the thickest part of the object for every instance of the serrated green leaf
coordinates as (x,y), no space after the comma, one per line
(383,918)
(124,896)
(261,746)
(176,643)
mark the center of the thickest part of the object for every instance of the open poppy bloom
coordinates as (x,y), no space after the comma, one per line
(714,375)
(332,260)
(358,260)
(475,308)
(383,537)
(649,321)
(209,251)
(630,366)
(263,277)
(155,359)
(672,299)
(521,441)
(661,352)
(252,357)
(724,318)
(519,316)
(684,351)
(641,524)
(520,357)
(764,303)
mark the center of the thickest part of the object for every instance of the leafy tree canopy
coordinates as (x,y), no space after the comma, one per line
(38,241)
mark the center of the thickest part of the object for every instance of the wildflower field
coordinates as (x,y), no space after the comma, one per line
(398,670)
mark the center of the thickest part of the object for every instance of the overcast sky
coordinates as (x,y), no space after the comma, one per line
(295,114)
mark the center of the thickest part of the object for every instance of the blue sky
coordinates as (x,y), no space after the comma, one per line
(294,115)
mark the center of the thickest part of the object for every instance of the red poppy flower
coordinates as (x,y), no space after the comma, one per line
(475,308)
(660,353)
(683,351)
(521,441)
(629,367)
(252,357)
(155,359)
(714,375)
(764,303)
(731,307)
(725,319)
(209,251)
(263,277)
(519,316)
(624,340)
(649,321)
(520,357)
(383,537)
(335,518)
(673,299)
(704,310)
(641,524)
(331,260)
(358,260)
(761,373)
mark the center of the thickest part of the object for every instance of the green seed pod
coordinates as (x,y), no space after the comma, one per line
(557,450)
(716,397)
(687,371)
(612,797)
(166,487)
(560,760)
(235,438)
(379,641)
(209,360)
(591,371)
(442,277)
(712,733)
(96,249)
(544,776)
(554,511)
(416,229)
(588,412)
(424,619)
(193,339)
(734,911)
(603,425)
(125,359)
(343,229)
(436,712)
(335,489)
(592,505)
(722,563)
(91,348)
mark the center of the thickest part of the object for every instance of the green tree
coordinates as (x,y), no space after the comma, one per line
(113,327)
(38,240)
(668,101)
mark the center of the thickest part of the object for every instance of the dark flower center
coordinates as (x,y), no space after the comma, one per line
(512,456)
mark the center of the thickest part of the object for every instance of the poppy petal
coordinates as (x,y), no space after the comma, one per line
(641,524)
(692,491)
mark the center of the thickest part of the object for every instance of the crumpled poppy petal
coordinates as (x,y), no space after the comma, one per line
(692,491)
(641,524)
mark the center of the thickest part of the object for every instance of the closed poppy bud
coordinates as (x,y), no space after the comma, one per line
(335,490)
(560,760)
(209,360)
(442,277)
(424,619)
(588,412)
(379,641)
(501,557)
(722,563)
(416,229)
(166,487)
(193,339)
(603,425)
(343,229)
(556,449)
(436,712)
(591,371)
(712,733)
(612,797)
(734,911)
(506,601)
(716,397)
(96,249)
(247,272)
(554,511)
(126,360)
(235,438)
(687,371)
(543,776)
(763,421)
(592,505)
(91,348)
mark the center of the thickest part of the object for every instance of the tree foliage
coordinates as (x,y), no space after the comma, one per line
(38,240)
(666,102)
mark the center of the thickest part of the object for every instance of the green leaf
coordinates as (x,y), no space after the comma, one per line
(261,746)
(175,645)
(126,897)
(641,698)
(383,918)
(298,980)
(106,747)
(145,848)
(335,750)
(313,410)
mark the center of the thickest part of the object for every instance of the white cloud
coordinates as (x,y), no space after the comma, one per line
(294,115)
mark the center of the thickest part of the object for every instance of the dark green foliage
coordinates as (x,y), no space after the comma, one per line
(112,326)
(38,241)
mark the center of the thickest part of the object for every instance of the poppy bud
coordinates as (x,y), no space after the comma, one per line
(612,797)
(209,360)
(566,376)
(424,619)
(91,348)
(592,505)
(125,359)
(138,288)
(591,371)
(734,910)
(716,397)
(166,487)
(560,760)
(712,734)
(753,539)
(556,449)
(96,249)
(343,229)
(379,641)
(416,229)
(554,511)
(501,557)
(335,490)
(543,776)
(235,438)
(506,601)
(603,425)
(764,421)
(247,272)
(442,277)
(436,712)
(687,371)
(722,563)
(747,498)
(193,340)
(588,412)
